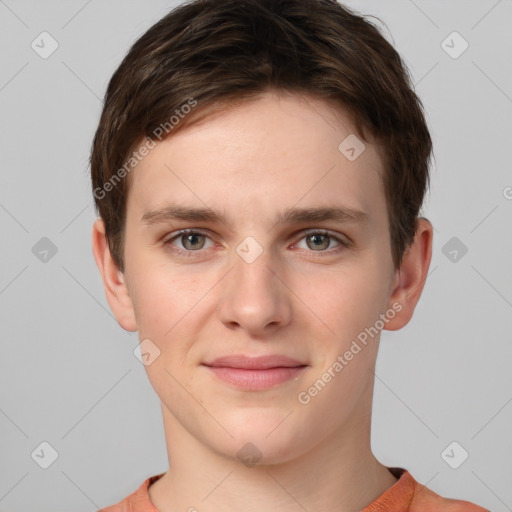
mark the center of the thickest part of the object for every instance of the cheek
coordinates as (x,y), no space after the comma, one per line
(170,311)
(345,299)
(162,295)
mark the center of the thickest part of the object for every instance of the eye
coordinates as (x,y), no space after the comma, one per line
(192,241)
(319,241)
(189,239)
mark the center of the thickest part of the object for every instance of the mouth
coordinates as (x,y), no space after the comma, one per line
(245,362)
(255,373)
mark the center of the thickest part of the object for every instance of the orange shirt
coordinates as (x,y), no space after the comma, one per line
(406,495)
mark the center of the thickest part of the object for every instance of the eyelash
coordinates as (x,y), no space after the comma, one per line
(190,254)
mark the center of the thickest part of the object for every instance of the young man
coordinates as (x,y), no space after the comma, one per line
(259,168)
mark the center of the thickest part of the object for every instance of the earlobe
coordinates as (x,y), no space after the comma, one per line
(410,278)
(113,279)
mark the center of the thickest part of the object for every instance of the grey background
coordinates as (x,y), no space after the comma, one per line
(68,375)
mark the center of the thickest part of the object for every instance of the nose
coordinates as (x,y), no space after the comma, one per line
(254,296)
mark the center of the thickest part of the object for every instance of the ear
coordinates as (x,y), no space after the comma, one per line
(116,290)
(410,278)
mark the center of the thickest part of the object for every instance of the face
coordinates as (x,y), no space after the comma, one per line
(265,277)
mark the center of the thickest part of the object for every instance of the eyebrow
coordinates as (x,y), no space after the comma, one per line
(288,216)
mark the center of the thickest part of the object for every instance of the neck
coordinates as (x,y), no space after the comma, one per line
(340,473)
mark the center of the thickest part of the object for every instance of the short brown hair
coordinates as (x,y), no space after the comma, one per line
(221,52)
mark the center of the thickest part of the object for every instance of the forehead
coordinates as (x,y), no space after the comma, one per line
(268,155)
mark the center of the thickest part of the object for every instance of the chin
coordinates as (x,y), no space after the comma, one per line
(262,442)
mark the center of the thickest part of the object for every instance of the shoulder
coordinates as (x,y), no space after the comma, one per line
(426,500)
(118,507)
(126,505)
(113,508)
(138,501)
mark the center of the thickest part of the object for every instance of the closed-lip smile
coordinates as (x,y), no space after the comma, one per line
(255,373)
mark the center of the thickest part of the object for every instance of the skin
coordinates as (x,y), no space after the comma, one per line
(296,299)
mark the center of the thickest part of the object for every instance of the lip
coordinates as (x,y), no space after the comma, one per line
(256,373)
(255,363)
(256,379)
